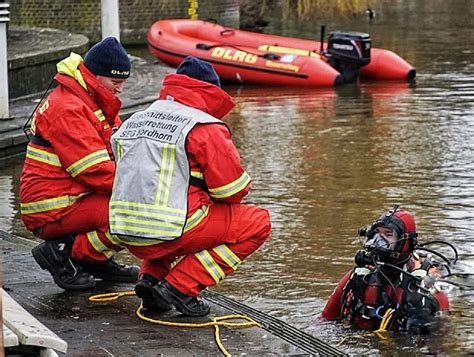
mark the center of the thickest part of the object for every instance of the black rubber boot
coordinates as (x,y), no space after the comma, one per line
(151,300)
(110,270)
(187,305)
(55,257)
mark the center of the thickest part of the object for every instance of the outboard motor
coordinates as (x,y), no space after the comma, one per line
(347,52)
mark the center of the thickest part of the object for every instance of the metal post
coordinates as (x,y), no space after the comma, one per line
(4,110)
(110,18)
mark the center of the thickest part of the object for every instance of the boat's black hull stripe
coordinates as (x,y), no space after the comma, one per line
(303,76)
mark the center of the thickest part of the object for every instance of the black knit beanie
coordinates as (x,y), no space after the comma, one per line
(198,69)
(108,58)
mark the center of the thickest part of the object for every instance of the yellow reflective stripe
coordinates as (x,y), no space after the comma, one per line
(133,229)
(148,208)
(145,214)
(134,225)
(98,245)
(166,174)
(162,174)
(88,161)
(231,188)
(146,223)
(119,149)
(138,242)
(113,238)
(197,174)
(196,218)
(170,175)
(49,204)
(210,265)
(99,115)
(228,256)
(42,156)
(154,225)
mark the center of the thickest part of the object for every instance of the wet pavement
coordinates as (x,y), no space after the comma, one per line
(113,329)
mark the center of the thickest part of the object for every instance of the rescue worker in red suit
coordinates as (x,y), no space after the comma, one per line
(392,286)
(69,169)
(178,192)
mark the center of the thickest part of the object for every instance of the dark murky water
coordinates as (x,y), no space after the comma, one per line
(326,162)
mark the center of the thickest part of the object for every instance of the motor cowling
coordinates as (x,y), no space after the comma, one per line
(347,52)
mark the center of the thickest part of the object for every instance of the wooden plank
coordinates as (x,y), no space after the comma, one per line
(9,338)
(28,329)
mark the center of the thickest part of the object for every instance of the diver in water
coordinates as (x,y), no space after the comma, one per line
(394,284)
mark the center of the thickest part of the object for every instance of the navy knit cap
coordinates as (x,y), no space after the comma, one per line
(195,68)
(108,58)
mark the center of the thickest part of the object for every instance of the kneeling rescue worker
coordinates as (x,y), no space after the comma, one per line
(393,286)
(178,192)
(69,170)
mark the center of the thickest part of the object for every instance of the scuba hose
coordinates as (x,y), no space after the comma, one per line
(363,257)
(422,290)
(422,246)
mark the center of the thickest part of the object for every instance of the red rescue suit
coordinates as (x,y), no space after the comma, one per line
(370,297)
(231,231)
(69,167)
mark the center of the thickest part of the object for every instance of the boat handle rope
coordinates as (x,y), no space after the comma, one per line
(216,322)
(227,32)
(268,55)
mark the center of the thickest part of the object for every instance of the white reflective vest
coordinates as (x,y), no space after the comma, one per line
(150,194)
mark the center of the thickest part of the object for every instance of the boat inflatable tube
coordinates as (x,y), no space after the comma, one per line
(255,58)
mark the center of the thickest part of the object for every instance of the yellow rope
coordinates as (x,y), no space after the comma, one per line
(385,320)
(382,328)
(110,296)
(384,323)
(346,338)
(216,321)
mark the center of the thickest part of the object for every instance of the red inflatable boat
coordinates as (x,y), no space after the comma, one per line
(248,57)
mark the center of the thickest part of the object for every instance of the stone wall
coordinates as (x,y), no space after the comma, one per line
(33,54)
(136,16)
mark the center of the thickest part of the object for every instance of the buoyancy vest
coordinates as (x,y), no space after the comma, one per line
(367,296)
(150,195)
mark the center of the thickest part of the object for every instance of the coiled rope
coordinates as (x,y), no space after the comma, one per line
(216,322)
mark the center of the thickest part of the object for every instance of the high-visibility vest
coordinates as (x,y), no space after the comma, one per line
(150,194)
